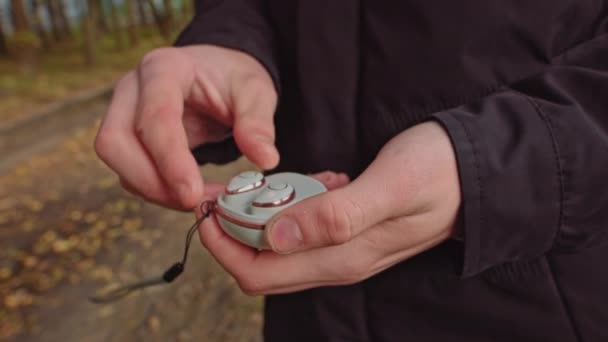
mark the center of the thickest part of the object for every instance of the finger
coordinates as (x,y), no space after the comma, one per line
(212,191)
(266,272)
(118,147)
(337,265)
(254,103)
(201,129)
(231,254)
(270,273)
(331,180)
(331,218)
(165,78)
(132,190)
(243,262)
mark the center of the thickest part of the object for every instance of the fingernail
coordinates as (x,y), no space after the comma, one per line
(285,235)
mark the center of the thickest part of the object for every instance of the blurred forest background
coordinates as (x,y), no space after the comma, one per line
(51,48)
(67,228)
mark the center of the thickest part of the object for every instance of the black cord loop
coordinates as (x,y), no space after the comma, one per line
(169,275)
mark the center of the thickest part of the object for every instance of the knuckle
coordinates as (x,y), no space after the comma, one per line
(356,213)
(255,81)
(158,112)
(153,114)
(105,143)
(159,55)
(335,221)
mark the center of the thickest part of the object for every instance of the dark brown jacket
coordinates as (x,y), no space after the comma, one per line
(522,88)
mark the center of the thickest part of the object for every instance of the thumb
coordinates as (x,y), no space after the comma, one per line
(331,218)
(254,101)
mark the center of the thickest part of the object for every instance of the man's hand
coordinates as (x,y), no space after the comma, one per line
(406,202)
(179,98)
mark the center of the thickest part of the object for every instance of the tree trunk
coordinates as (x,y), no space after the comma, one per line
(19,16)
(116,26)
(54,19)
(3,47)
(63,19)
(24,46)
(90,25)
(38,27)
(168,14)
(101,18)
(159,18)
(143,14)
(132,29)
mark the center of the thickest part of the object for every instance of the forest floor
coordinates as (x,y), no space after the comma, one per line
(67,229)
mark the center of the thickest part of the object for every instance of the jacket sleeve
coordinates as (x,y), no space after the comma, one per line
(236,24)
(533,162)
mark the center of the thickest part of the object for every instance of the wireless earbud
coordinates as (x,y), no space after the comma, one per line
(275,195)
(251,200)
(244,182)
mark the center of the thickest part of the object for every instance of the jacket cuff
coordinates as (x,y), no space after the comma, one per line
(509,180)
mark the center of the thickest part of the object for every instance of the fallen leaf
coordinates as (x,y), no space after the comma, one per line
(76,215)
(120,206)
(62,246)
(90,247)
(18,299)
(133,224)
(115,220)
(28,226)
(106,311)
(134,206)
(102,273)
(90,217)
(106,183)
(114,233)
(5,273)
(57,274)
(74,279)
(85,265)
(49,236)
(33,204)
(7,203)
(154,324)
(30,261)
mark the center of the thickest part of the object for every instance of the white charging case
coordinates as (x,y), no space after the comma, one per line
(251,200)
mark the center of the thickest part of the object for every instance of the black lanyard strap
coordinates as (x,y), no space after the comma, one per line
(170,274)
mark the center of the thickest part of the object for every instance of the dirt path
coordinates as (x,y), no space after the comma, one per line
(67,229)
